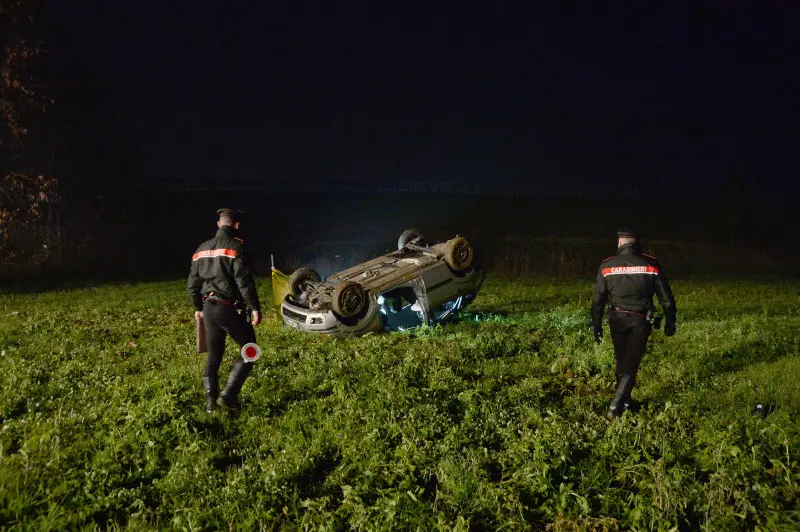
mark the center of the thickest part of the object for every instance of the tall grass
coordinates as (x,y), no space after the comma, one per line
(494,422)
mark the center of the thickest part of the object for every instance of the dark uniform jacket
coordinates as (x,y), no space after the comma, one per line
(627,282)
(220,267)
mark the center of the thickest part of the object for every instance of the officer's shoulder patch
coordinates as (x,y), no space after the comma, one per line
(238,240)
(609,258)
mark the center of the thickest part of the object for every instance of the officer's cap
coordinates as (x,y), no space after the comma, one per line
(234,214)
(626,232)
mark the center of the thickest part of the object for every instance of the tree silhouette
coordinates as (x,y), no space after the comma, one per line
(25,191)
(58,119)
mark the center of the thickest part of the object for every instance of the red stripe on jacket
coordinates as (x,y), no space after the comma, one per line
(630,270)
(211,253)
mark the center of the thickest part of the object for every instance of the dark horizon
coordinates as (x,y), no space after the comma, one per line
(653,98)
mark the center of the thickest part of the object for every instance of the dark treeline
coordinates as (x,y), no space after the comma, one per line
(514,237)
(152,236)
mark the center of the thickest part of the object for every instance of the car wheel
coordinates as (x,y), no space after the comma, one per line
(300,277)
(409,235)
(458,254)
(349,299)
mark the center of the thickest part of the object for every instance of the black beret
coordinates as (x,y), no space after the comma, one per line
(235,214)
(626,232)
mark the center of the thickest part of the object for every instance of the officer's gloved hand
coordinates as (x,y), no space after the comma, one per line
(669,327)
(598,334)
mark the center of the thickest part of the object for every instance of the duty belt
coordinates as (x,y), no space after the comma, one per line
(651,316)
(211,298)
(617,309)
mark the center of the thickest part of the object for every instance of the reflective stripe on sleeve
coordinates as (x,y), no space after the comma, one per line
(211,253)
(630,270)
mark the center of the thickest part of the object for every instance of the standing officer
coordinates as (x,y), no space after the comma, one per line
(221,288)
(627,282)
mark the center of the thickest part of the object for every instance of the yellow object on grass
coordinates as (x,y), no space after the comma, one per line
(280,286)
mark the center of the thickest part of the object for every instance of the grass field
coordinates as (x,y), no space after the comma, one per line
(493,423)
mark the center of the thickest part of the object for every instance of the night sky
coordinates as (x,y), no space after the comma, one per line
(648,96)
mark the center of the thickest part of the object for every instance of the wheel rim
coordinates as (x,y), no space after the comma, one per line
(351,300)
(462,254)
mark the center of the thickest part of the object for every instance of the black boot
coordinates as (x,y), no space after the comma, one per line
(632,406)
(629,403)
(212,391)
(229,398)
(617,406)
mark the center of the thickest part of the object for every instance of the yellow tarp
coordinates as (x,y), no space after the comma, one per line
(280,286)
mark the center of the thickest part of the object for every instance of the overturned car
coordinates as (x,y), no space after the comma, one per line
(417,284)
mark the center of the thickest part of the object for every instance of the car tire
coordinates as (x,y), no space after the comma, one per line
(301,276)
(458,254)
(349,299)
(409,235)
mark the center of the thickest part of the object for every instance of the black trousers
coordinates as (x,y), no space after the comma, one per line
(629,333)
(222,320)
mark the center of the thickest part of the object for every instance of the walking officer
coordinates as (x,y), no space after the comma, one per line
(627,282)
(222,290)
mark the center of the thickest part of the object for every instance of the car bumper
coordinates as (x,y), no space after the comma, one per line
(326,322)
